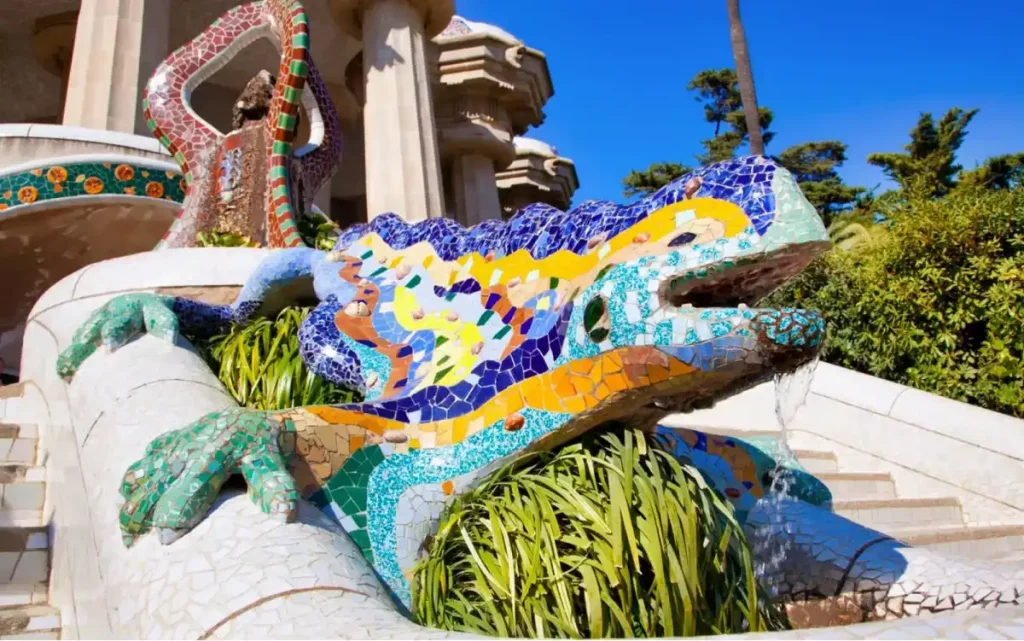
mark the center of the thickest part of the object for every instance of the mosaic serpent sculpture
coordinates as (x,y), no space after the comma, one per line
(248,181)
(472,346)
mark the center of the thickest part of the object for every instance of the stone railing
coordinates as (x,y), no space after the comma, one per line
(26,143)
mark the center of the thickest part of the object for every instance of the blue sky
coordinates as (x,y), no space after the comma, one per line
(859,71)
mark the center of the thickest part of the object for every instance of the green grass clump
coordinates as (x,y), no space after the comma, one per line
(608,536)
(261,367)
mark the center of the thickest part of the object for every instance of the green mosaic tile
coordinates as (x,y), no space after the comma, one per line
(52,182)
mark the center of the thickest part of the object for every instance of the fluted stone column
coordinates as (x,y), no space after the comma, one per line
(403,171)
(118,44)
(474,189)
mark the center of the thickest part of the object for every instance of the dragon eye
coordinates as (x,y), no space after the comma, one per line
(595,319)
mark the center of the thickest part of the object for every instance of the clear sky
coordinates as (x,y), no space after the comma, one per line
(859,71)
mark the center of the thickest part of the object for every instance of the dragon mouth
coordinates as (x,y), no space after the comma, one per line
(762,343)
(772,341)
(745,281)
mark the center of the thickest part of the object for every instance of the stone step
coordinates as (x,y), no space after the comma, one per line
(13,406)
(19,450)
(817,462)
(30,622)
(22,487)
(20,539)
(887,515)
(1001,542)
(851,486)
(18,430)
(24,555)
(21,518)
(19,594)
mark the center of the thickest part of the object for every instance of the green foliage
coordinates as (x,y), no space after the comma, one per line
(719,91)
(813,165)
(261,367)
(928,167)
(223,239)
(998,172)
(937,302)
(847,234)
(608,536)
(738,122)
(650,180)
(318,231)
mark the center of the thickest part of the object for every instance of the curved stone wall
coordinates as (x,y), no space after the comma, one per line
(70,197)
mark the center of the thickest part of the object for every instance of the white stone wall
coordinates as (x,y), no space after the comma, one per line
(932,446)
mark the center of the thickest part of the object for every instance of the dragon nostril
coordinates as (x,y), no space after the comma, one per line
(684,238)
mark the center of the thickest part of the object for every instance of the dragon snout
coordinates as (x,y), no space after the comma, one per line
(788,337)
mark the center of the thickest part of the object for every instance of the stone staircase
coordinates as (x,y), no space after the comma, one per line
(873,499)
(24,537)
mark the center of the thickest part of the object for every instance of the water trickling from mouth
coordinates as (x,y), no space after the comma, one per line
(791,391)
(772,539)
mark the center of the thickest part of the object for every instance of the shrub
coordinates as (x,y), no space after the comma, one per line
(223,239)
(936,303)
(261,367)
(608,536)
(318,231)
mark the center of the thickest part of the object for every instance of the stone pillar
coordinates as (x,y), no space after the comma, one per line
(403,169)
(118,44)
(474,189)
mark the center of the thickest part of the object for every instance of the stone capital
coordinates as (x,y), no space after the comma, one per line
(538,174)
(349,14)
(475,124)
(492,63)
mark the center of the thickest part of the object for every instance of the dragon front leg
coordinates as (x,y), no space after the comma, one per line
(174,484)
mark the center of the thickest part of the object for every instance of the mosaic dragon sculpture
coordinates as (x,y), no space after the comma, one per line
(249,181)
(471,346)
